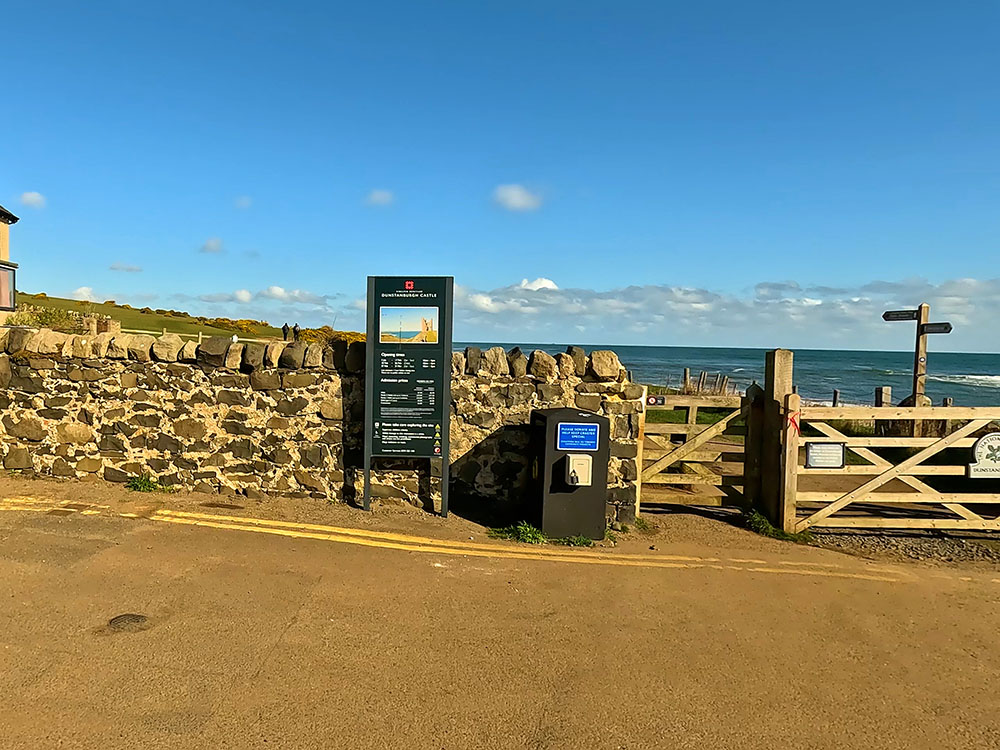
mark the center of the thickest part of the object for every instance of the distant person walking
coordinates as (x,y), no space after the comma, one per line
(284,332)
(296,331)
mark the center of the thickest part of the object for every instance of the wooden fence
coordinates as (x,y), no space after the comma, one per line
(687,462)
(901,467)
(888,481)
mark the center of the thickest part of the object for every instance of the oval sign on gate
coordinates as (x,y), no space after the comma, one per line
(986,457)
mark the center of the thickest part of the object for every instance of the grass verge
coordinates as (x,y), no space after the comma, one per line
(756,523)
(525,533)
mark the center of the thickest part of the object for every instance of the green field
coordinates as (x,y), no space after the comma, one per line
(132,318)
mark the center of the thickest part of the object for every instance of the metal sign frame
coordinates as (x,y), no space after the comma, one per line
(374,346)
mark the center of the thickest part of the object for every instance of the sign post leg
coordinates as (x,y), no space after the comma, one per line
(444,486)
(920,354)
(366,499)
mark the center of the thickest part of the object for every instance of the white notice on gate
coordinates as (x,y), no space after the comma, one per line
(824,455)
(986,457)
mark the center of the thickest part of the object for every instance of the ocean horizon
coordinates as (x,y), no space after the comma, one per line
(971,379)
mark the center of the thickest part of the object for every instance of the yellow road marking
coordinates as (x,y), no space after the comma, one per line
(392,537)
(402,542)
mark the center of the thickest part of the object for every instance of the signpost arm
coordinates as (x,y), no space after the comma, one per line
(920,354)
(449,290)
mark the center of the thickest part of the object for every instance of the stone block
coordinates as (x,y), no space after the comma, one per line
(190,428)
(297,380)
(579,360)
(17,339)
(494,362)
(62,468)
(5,373)
(265,381)
(293,355)
(167,348)
(89,465)
(253,357)
(28,428)
(17,458)
(473,360)
(543,366)
(332,409)
(310,481)
(632,391)
(457,364)
(289,406)
(549,392)
(565,365)
(314,356)
(232,398)
(604,365)
(140,347)
(74,432)
(338,353)
(79,347)
(44,341)
(588,401)
(101,342)
(624,450)
(212,351)
(234,356)
(188,352)
(111,474)
(129,380)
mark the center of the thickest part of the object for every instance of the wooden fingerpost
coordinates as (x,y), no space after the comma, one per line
(777,386)
(687,380)
(790,461)
(836,397)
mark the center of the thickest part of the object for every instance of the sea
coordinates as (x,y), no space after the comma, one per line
(969,379)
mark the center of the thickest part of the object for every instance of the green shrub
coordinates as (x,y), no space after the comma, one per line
(758,524)
(146,483)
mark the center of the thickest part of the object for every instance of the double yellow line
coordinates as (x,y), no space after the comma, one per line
(406,543)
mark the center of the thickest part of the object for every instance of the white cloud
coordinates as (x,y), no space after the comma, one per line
(540,283)
(517,198)
(380,197)
(243,202)
(291,295)
(772,314)
(33,199)
(125,268)
(84,293)
(243,295)
(212,245)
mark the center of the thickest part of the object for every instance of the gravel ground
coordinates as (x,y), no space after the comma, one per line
(915,545)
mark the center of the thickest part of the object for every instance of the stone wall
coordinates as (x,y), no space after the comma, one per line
(283,419)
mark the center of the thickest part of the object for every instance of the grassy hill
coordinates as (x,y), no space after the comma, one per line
(65,314)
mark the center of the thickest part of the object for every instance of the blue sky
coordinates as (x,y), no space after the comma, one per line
(718,173)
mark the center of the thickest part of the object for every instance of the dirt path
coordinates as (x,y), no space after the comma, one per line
(298,625)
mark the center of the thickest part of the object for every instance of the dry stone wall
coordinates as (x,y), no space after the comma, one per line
(284,418)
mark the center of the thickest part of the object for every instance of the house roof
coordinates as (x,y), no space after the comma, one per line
(7,217)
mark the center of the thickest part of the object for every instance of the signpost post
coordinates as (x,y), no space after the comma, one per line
(408,373)
(920,315)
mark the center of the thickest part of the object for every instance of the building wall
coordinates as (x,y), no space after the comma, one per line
(285,418)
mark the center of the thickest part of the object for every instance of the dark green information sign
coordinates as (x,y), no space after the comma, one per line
(408,373)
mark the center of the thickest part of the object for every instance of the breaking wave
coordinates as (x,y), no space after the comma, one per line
(979,381)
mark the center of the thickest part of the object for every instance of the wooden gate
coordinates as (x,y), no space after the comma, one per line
(888,480)
(695,462)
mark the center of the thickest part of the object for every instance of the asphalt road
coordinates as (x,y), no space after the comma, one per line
(289,635)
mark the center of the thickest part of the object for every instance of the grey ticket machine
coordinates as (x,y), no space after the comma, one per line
(569,472)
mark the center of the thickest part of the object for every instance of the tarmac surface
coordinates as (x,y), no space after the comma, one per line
(299,625)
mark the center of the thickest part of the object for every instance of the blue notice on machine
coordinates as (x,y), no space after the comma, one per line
(577,436)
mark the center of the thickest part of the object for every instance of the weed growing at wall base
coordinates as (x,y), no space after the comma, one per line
(760,525)
(146,483)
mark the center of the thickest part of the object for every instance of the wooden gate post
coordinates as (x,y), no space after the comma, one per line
(791,432)
(752,445)
(777,386)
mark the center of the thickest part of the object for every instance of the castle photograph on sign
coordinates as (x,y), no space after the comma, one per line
(408,325)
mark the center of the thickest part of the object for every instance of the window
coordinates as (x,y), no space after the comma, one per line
(7,293)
